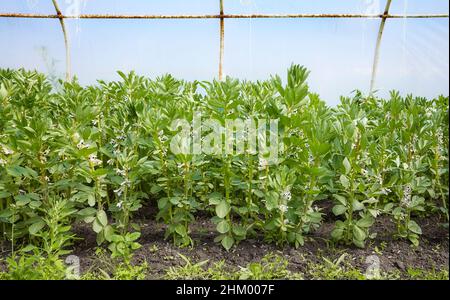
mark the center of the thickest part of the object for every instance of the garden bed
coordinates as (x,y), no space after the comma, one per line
(398,258)
(163,178)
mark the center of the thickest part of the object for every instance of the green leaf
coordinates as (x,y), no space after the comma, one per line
(414,239)
(3,92)
(16,171)
(223,227)
(91,200)
(357,205)
(258,193)
(299,239)
(108,231)
(175,200)
(96,226)
(162,203)
(88,211)
(414,227)
(340,198)
(102,218)
(222,209)
(227,242)
(22,200)
(4,194)
(89,219)
(339,209)
(116,238)
(239,230)
(134,236)
(30,173)
(347,165)
(135,246)
(337,233)
(155,189)
(344,181)
(271,200)
(36,227)
(359,234)
(6,213)
(181,230)
(28,248)
(214,201)
(388,207)
(365,222)
(358,243)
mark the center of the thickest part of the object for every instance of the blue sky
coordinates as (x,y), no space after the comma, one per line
(339,53)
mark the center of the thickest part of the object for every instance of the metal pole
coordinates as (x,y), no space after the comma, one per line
(377,47)
(222,40)
(224,16)
(66,39)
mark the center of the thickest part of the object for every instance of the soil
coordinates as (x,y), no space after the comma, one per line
(431,254)
(160,254)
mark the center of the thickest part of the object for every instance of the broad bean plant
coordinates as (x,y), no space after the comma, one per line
(100,154)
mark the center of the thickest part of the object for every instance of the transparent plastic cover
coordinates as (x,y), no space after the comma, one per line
(339,52)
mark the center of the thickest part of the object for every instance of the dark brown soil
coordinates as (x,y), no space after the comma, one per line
(432,253)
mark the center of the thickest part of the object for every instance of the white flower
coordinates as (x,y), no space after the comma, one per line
(380,179)
(2,162)
(406,200)
(364,172)
(440,140)
(76,136)
(385,191)
(118,192)
(119,204)
(162,137)
(283,208)
(7,151)
(110,162)
(286,221)
(372,200)
(126,182)
(46,178)
(82,145)
(287,195)
(94,160)
(121,172)
(301,134)
(263,163)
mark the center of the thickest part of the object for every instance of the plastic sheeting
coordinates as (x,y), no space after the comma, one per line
(339,52)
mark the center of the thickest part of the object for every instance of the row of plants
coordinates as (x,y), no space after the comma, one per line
(98,154)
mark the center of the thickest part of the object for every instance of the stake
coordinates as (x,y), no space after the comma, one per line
(66,39)
(377,46)
(222,40)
